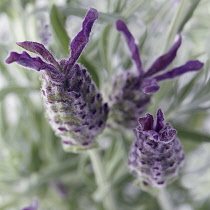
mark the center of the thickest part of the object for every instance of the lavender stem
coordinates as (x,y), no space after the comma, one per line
(101,180)
(164,200)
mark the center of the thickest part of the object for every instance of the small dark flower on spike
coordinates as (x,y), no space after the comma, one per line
(74,106)
(45,34)
(156,154)
(131,92)
(60,188)
(34,206)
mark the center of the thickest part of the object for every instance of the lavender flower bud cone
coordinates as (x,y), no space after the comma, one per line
(156,154)
(131,92)
(73,104)
(74,109)
(127,100)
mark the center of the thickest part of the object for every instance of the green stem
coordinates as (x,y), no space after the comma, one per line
(164,200)
(104,192)
(175,24)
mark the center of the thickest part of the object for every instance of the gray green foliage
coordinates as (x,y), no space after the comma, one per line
(32,161)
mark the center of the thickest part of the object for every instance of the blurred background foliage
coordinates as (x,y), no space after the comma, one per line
(32,163)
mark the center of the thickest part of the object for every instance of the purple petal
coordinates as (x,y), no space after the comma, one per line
(79,42)
(193,65)
(150,86)
(34,206)
(163,61)
(135,55)
(160,120)
(39,49)
(153,135)
(61,188)
(146,122)
(167,134)
(27,61)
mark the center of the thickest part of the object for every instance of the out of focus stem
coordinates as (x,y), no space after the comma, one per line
(175,23)
(164,200)
(104,186)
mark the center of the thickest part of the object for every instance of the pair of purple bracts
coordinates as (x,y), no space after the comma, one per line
(77,113)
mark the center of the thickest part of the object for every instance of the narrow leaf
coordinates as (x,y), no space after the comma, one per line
(193,135)
(103,51)
(14,89)
(132,8)
(59,29)
(104,17)
(188,15)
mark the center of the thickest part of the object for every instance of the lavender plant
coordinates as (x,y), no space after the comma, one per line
(32,162)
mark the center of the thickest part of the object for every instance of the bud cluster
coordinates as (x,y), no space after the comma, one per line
(131,92)
(74,108)
(156,154)
(127,101)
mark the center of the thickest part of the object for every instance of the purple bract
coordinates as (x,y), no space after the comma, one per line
(156,154)
(74,106)
(131,92)
(34,206)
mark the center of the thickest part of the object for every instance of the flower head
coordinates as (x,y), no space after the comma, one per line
(132,92)
(73,103)
(156,154)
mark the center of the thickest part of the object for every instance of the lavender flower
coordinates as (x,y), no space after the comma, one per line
(34,206)
(156,154)
(131,92)
(73,104)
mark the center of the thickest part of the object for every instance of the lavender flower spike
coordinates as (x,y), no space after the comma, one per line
(131,91)
(74,106)
(156,154)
